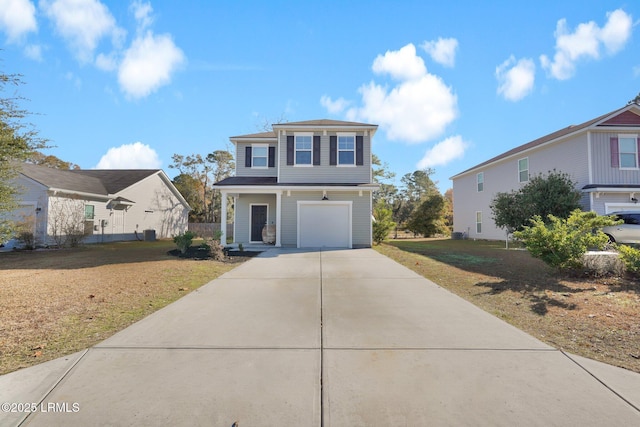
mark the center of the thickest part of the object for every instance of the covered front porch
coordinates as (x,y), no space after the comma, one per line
(253,209)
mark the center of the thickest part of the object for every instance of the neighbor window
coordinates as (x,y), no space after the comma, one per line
(304,147)
(346,149)
(523,169)
(480,181)
(479,222)
(89,211)
(259,155)
(628,151)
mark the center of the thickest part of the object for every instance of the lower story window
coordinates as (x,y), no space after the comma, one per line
(479,222)
(89,211)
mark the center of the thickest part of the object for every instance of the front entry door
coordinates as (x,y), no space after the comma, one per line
(258,221)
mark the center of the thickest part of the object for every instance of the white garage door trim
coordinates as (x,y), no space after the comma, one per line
(616,207)
(306,204)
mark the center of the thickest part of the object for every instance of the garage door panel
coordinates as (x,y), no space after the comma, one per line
(324,225)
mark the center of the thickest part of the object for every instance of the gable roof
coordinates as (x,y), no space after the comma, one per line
(306,124)
(93,181)
(116,180)
(63,179)
(322,122)
(620,117)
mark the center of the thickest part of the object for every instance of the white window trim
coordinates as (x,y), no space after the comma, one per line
(635,144)
(478,182)
(295,149)
(253,156)
(338,150)
(520,171)
(476,219)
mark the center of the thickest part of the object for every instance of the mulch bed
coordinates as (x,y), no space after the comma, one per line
(199,253)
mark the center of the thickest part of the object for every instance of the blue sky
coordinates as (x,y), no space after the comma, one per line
(122,84)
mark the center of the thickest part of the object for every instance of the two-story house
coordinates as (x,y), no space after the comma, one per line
(601,155)
(310,181)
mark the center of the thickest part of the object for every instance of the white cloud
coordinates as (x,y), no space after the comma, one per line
(334,107)
(17,18)
(401,64)
(82,23)
(107,62)
(586,42)
(130,156)
(443,152)
(417,109)
(148,64)
(443,51)
(142,13)
(515,79)
(33,51)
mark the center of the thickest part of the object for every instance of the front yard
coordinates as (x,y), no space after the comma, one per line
(595,318)
(54,303)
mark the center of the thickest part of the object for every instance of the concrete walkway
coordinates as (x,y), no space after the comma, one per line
(322,338)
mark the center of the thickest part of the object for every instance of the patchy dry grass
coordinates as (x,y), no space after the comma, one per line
(54,303)
(594,318)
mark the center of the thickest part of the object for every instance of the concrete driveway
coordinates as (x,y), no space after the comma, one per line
(321,338)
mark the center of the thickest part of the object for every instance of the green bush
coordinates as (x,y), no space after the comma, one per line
(630,257)
(561,243)
(383,223)
(183,241)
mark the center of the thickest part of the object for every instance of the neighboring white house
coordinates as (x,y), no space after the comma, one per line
(109,205)
(602,156)
(311,181)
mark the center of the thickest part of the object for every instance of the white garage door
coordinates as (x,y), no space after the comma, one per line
(324,224)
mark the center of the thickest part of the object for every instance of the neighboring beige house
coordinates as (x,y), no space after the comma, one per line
(109,205)
(310,181)
(601,155)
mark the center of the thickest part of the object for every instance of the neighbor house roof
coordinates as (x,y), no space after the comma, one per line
(556,135)
(116,180)
(93,181)
(64,179)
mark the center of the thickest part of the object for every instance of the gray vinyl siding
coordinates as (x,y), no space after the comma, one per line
(242,170)
(361,215)
(243,213)
(569,156)
(603,173)
(325,173)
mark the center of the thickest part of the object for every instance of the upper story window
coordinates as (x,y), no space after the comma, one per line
(480,182)
(628,151)
(346,149)
(259,155)
(523,170)
(303,148)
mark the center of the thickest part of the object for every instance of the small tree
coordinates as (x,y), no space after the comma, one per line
(383,223)
(554,194)
(427,218)
(183,241)
(561,243)
(66,221)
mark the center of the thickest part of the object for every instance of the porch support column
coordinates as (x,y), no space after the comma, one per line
(278,216)
(223,218)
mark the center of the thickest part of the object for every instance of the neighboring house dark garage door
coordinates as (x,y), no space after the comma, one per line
(324,224)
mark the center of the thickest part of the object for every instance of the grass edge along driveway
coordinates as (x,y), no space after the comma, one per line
(598,318)
(57,302)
